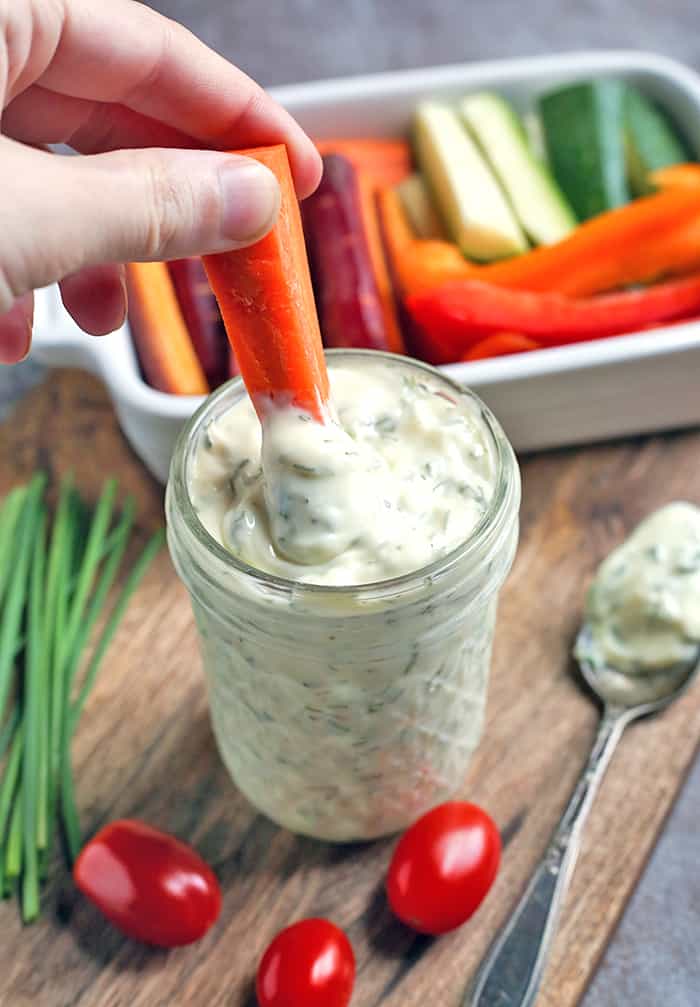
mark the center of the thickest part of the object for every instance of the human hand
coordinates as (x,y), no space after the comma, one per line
(106,79)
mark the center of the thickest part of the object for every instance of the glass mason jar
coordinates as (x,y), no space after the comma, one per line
(345,712)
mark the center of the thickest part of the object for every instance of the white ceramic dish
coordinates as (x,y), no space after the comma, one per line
(606,388)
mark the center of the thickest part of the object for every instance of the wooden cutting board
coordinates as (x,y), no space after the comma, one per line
(145,749)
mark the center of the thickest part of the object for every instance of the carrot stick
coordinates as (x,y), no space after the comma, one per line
(385,162)
(380,267)
(267,304)
(676,176)
(160,335)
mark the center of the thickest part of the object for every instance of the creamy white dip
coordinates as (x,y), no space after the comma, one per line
(643,608)
(401,479)
(345,711)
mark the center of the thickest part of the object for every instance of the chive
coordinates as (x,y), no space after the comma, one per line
(57,547)
(9,780)
(53,627)
(89,563)
(139,569)
(53,588)
(71,820)
(13,851)
(68,530)
(9,515)
(7,732)
(35,690)
(18,586)
(105,582)
(60,602)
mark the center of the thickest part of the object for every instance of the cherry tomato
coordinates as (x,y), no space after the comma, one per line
(150,885)
(443,867)
(310,964)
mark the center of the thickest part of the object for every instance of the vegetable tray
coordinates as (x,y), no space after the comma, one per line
(582,393)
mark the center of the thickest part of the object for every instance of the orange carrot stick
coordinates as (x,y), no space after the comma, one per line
(385,162)
(676,176)
(160,335)
(267,304)
(380,266)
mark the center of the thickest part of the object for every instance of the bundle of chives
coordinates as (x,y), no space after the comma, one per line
(55,578)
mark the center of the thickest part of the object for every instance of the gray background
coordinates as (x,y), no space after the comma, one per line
(653,960)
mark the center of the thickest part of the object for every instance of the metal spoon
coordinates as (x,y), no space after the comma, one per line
(510,974)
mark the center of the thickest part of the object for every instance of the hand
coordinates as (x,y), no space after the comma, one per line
(107,78)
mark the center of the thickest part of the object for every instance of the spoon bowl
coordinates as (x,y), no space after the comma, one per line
(637,693)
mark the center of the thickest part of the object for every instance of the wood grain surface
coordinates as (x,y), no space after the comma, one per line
(145,749)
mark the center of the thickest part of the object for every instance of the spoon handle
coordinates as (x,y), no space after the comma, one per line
(510,974)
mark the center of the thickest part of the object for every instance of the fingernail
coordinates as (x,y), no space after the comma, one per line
(251,198)
(125,294)
(15,334)
(28,343)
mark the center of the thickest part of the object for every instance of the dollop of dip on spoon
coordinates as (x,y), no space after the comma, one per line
(643,607)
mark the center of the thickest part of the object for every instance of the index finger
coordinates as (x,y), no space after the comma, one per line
(125,53)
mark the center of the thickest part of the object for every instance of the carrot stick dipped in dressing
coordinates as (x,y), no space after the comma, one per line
(320,489)
(267,304)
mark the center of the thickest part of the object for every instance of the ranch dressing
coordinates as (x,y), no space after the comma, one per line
(643,608)
(347,666)
(402,478)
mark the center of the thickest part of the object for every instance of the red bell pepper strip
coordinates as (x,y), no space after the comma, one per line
(461,313)
(500,345)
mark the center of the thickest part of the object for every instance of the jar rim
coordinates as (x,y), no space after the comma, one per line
(506,493)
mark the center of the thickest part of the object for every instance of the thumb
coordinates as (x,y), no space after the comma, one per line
(65,213)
